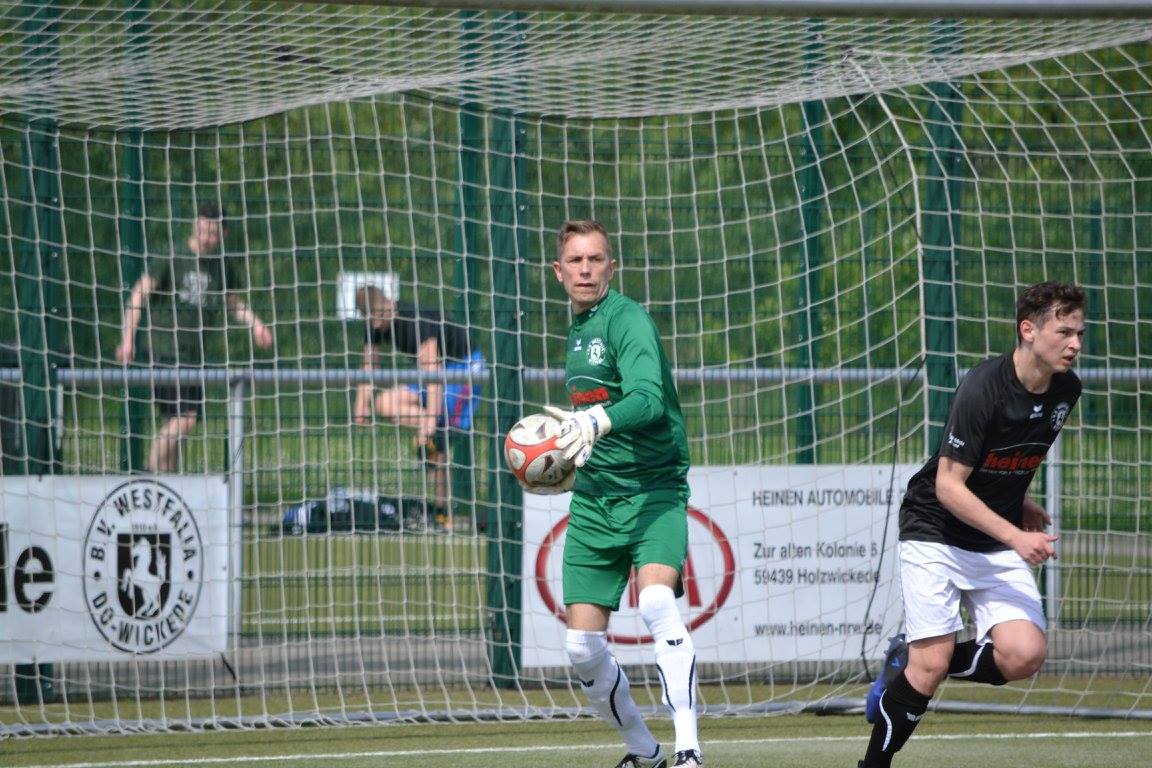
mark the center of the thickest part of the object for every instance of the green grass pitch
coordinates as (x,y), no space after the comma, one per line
(792,741)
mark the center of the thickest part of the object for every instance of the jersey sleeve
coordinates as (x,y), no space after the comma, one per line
(969,419)
(638,360)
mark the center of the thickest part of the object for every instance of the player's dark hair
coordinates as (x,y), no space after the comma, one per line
(570,229)
(1048,299)
(212,211)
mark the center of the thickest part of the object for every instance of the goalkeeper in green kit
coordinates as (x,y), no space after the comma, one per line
(630,499)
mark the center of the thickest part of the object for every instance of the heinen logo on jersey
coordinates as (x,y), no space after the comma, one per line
(592,396)
(1019,461)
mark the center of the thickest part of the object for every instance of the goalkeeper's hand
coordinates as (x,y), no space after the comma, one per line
(579,431)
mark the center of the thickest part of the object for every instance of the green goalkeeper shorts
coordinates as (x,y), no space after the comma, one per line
(608,536)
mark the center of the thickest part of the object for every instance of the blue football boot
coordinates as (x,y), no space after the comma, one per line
(895,659)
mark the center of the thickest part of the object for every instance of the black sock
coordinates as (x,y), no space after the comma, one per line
(962,656)
(901,708)
(975,663)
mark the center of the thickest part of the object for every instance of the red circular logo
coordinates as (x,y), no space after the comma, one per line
(688,575)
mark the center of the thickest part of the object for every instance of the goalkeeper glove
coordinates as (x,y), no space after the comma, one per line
(579,431)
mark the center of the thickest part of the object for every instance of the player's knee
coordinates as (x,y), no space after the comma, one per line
(657,605)
(1017,662)
(926,671)
(585,649)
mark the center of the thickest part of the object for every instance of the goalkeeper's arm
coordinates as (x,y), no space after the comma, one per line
(641,370)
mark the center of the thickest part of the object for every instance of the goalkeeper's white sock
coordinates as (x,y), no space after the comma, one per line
(606,686)
(675,659)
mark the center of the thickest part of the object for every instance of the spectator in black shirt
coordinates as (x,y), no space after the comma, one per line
(433,406)
(180,301)
(969,534)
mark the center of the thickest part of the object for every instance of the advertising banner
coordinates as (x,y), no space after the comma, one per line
(105,568)
(792,563)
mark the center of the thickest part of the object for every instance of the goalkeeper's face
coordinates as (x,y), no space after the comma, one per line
(585,269)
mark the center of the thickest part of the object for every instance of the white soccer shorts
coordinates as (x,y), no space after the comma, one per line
(936,579)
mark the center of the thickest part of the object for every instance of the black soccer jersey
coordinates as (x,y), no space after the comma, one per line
(1003,432)
(410,329)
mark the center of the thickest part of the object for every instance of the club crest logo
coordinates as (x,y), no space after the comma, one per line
(1059,416)
(194,288)
(596,351)
(143,567)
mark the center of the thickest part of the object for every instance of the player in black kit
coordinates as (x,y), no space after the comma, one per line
(970,535)
(434,407)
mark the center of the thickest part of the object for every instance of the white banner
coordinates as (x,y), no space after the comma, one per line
(784,563)
(105,568)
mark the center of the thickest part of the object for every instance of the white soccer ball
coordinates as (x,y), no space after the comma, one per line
(531,453)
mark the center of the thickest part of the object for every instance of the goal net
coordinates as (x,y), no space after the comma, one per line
(829,221)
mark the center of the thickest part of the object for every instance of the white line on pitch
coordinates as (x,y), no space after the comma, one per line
(567,747)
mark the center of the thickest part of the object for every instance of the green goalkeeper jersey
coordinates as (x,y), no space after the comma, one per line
(614,359)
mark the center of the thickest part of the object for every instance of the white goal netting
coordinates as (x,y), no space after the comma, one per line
(829,221)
